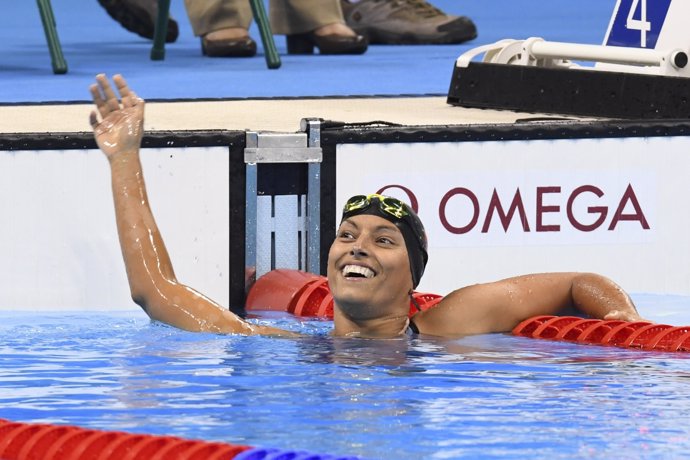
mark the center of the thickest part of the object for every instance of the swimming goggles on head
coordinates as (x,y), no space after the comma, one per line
(389,205)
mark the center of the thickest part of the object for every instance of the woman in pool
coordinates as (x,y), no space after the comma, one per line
(376,260)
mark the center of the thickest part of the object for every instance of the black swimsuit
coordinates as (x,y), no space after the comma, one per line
(412,329)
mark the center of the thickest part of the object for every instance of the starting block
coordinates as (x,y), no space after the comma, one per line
(640,71)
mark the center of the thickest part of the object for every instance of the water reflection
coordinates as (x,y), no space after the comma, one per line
(419,397)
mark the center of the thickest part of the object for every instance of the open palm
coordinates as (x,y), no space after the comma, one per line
(122,123)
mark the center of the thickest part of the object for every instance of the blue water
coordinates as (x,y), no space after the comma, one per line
(489,396)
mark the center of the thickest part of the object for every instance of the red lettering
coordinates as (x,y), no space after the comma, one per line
(629,196)
(542,209)
(444,203)
(602,210)
(495,206)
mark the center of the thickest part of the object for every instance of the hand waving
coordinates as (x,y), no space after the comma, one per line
(122,123)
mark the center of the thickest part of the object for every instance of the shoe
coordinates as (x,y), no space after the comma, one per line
(236,47)
(327,44)
(139,16)
(406,22)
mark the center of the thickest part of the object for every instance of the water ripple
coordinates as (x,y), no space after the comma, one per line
(488,396)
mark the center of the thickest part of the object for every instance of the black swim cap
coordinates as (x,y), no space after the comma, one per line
(407,221)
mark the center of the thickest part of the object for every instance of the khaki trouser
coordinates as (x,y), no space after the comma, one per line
(287,16)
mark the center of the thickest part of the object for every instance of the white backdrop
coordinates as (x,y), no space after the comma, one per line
(58,241)
(614,206)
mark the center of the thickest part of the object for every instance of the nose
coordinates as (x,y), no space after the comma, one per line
(358,251)
(359,248)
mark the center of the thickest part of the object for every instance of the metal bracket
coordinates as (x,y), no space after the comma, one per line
(269,147)
(312,127)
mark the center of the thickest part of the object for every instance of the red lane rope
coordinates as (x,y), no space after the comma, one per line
(28,441)
(633,334)
(305,294)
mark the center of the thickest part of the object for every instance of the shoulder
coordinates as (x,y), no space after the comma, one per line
(464,311)
(494,306)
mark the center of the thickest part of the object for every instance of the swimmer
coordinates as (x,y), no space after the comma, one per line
(377,258)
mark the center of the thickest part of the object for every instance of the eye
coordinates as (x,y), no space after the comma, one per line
(344,234)
(385,240)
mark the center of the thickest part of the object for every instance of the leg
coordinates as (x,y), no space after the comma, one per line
(309,23)
(290,17)
(210,15)
(222,26)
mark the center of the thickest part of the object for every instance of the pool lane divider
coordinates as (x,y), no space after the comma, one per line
(627,334)
(24,441)
(305,294)
(308,295)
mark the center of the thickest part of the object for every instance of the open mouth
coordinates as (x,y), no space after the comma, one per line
(357,271)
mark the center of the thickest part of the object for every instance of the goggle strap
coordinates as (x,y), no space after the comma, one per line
(414,302)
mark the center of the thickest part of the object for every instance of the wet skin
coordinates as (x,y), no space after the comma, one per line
(369,275)
(368,267)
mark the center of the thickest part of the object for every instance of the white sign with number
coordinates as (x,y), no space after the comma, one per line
(650,24)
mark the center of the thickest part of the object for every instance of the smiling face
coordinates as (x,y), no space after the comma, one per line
(368,269)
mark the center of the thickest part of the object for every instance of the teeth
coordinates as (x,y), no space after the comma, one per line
(350,270)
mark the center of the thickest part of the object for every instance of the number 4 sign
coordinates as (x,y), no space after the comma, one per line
(638,23)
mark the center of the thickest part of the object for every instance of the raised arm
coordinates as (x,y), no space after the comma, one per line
(152,281)
(502,305)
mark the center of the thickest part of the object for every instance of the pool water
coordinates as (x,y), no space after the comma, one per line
(488,396)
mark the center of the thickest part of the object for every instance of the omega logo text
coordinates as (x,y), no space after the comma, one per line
(506,211)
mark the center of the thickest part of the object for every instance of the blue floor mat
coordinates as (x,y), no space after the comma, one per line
(93,43)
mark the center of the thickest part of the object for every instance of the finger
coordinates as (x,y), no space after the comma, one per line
(121,85)
(131,100)
(93,119)
(111,100)
(105,96)
(136,101)
(98,100)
